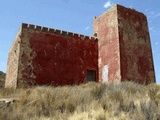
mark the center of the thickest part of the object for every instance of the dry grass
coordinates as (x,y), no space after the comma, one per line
(92,101)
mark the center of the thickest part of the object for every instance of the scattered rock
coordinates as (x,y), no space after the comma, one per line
(6,102)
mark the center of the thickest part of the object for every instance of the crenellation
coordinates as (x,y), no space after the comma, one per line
(64,33)
(70,34)
(31,26)
(51,30)
(24,25)
(54,31)
(76,35)
(81,36)
(87,37)
(57,31)
(39,28)
(45,29)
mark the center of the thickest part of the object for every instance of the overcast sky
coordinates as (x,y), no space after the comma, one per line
(71,15)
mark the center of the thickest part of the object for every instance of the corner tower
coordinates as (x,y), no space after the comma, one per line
(124,46)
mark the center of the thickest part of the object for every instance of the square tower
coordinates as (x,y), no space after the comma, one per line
(124,46)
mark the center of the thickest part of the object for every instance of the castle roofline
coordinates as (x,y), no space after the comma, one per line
(116,7)
(129,8)
(55,31)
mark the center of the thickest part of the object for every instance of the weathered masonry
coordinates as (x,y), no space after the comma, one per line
(53,57)
(120,50)
(124,47)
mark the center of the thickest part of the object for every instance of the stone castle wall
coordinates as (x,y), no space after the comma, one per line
(135,47)
(13,62)
(124,46)
(54,57)
(106,28)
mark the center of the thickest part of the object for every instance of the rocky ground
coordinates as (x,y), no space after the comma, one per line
(6,102)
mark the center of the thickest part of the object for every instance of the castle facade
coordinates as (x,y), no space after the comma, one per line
(120,50)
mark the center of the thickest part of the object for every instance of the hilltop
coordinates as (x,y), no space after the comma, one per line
(91,101)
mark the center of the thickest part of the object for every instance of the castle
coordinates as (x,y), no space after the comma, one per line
(120,50)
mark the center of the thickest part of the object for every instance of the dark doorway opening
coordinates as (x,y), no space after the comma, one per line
(91,75)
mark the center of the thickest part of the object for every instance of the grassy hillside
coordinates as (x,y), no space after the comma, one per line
(92,101)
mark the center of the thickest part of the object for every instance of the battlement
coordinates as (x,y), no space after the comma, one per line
(55,31)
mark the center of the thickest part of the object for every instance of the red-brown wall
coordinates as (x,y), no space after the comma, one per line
(135,47)
(124,46)
(105,26)
(53,57)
